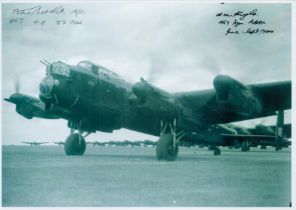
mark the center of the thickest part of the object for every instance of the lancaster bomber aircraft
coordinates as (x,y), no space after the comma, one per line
(92,98)
(276,136)
(34,143)
(59,143)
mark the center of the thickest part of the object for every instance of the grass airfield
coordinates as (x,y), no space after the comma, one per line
(43,176)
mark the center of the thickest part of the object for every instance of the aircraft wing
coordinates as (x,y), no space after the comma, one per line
(59,142)
(232,101)
(24,142)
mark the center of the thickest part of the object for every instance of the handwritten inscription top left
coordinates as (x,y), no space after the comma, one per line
(39,10)
(63,15)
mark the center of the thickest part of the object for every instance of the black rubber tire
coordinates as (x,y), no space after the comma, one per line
(72,146)
(245,146)
(217,151)
(165,149)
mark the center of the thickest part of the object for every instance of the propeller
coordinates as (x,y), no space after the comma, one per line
(17,85)
(14,98)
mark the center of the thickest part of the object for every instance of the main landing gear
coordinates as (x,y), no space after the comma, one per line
(216,150)
(245,147)
(75,143)
(167,146)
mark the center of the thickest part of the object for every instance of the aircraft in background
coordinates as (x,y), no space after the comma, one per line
(244,138)
(34,143)
(59,143)
(125,143)
(271,130)
(96,143)
(262,135)
(92,98)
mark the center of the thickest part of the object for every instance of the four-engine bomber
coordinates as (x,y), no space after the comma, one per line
(92,98)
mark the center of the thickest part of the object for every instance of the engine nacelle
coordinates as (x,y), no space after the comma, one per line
(152,98)
(235,97)
(25,111)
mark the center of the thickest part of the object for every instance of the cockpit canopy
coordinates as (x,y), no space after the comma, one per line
(58,68)
(89,66)
(99,70)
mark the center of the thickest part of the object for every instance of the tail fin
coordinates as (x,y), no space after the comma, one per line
(279,130)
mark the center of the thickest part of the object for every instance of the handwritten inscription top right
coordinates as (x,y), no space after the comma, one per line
(233,23)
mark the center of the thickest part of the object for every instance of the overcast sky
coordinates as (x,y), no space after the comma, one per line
(176,46)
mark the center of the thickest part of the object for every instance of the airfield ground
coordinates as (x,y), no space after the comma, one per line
(123,176)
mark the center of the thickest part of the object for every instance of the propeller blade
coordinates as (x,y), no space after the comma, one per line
(17,86)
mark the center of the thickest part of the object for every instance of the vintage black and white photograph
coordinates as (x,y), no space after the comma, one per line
(146,104)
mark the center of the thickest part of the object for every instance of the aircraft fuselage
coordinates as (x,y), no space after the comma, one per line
(101,100)
(94,98)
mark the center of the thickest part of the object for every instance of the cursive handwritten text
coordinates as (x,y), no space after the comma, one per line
(63,15)
(39,10)
(240,14)
(243,23)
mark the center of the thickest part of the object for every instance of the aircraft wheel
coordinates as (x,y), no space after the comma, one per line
(73,146)
(217,151)
(165,149)
(245,146)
